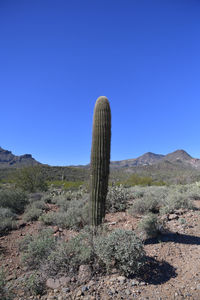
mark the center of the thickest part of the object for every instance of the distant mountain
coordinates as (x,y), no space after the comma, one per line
(180,155)
(149,158)
(9,160)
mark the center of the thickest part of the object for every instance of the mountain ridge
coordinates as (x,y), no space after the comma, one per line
(180,156)
(9,160)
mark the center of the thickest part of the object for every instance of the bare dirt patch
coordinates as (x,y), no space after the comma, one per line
(172,270)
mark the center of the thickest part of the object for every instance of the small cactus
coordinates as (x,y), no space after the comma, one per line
(100,160)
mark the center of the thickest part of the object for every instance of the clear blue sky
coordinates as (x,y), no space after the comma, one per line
(58,56)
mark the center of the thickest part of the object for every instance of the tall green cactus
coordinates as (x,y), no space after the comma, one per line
(100,159)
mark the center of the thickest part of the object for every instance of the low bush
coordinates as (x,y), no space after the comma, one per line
(149,226)
(7,220)
(144,205)
(66,185)
(34,210)
(6,292)
(121,249)
(176,200)
(34,284)
(30,179)
(49,218)
(32,214)
(72,214)
(14,199)
(6,225)
(37,248)
(117,199)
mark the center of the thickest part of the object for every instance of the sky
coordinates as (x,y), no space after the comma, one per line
(58,56)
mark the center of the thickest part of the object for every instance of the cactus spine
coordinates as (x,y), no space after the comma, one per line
(100,159)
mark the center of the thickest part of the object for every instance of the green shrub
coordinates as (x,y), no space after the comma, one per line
(79,250)
(2,282)
(7,220)
(121,248)
(32,214)
(49,218)
(72,214)
(135,179)
(14,199)
(149,226)
(5,290)
(117,199)
(6,212)
(7,224)
(57,261)
(176,200)
(34,284)
(66,185)
(31,179)
(37,248)
(144,205)
(34,210)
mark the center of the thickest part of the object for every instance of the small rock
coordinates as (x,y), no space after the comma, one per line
(65,290)
(64,280)
(134,282)
(79,293)
(52,284)
(121,279)
(84,289)
(55,229)
(84,274)
(51,298)
(173,217)
(127,292)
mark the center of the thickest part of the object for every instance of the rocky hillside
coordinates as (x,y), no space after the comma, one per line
(8,159)
(149,159)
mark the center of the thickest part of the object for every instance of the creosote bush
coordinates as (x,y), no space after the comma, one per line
(123,248)
(34,210)
(176,200)
(31,179)
(120,249)
(34,284)
(149,226)
(14,199)
(72,214)
(117,199)
(37,248)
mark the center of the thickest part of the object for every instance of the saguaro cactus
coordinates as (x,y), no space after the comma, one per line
(100,159)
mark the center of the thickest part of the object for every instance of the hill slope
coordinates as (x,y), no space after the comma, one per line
(9,160)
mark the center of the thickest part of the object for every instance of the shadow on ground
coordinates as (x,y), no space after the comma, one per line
(157,272)
(175,238)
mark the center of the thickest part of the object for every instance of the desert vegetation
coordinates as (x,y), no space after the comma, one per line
(70,237)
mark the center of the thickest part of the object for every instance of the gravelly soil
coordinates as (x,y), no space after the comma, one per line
(173,270)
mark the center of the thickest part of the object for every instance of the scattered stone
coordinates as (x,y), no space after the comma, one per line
(121,279)
(85,288)
(127,292)
(173,217)
(84,274)
(64,280)
(65,290)
(53,283)
(134,282)
(79,293)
